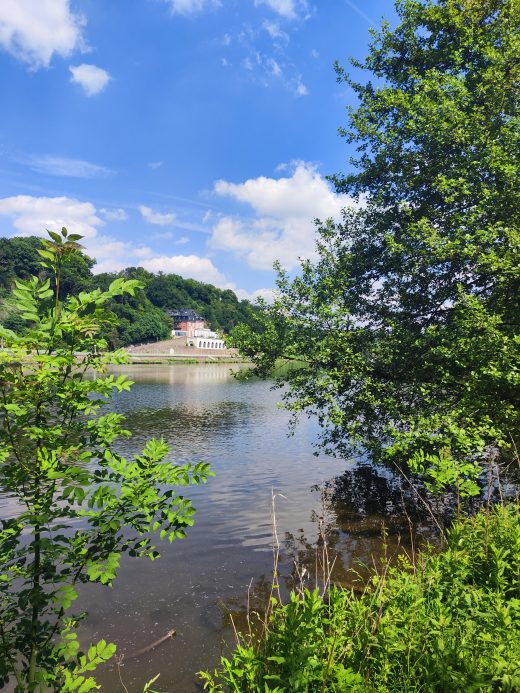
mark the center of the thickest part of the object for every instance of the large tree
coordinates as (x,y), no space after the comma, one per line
(408,320)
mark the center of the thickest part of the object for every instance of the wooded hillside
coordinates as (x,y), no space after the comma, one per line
(140,318)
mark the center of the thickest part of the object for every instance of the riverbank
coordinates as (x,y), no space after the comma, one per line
(176,350)
(447,621)
(157,359)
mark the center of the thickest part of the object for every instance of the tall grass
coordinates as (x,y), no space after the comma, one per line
(445,622)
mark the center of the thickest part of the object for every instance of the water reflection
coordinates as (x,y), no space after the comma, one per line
(204,413)
(181,374)
(365,516)
(188,422)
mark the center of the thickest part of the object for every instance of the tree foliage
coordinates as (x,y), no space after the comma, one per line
(142,317)
(409,319)
(74,504)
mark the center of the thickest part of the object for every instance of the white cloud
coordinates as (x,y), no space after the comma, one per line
(63,166)
(281,227)
(155,164)
(301,89)
(166,236)
(267,294)
(158,218)
(274,31)
(187,7)
(142,251)
(34,30)
(275,68)
(289,9)
(114,214)
(91,78)
(192,266)
(169,236)
(32,215)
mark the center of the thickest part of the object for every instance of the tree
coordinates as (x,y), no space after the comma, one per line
(153,324)
(408,320)
(75,504)
(18,260)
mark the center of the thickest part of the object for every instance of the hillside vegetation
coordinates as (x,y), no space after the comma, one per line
(139,318)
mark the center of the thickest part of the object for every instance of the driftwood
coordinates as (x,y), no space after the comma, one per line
(139,653)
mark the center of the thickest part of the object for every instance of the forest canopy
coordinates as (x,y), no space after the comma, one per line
(142,317)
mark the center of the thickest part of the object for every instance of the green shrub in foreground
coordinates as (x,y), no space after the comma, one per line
(451,622)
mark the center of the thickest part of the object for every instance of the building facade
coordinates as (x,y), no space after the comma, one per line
(208,343)
(188,323)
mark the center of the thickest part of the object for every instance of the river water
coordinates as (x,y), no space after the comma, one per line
(206,414)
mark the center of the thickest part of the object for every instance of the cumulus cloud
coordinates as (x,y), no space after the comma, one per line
(142,252)
(91,78)
(31,216)
(187,7)
(158,218)
(111,254)
(63,166)
(267,294)
(34,30)
(192,266)
(281,225)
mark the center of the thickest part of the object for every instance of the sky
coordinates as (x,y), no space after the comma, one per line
(185,136)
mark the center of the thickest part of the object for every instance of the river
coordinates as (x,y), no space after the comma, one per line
(206,414)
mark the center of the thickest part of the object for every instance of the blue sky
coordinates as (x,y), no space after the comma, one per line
(188,136)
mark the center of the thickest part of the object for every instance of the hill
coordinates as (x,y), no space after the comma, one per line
(143,318)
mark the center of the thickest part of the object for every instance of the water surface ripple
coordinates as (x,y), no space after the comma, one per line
(205,414)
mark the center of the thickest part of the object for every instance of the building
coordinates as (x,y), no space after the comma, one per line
(202,343)
(205,332)
(186,321)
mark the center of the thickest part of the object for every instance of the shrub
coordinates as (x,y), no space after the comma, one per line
(449,622)
(75,505)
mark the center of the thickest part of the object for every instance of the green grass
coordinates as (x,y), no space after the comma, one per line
(448,623)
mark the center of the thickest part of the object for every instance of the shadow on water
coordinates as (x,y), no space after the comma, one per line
(368,516)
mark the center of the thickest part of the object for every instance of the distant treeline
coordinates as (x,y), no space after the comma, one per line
(137,319)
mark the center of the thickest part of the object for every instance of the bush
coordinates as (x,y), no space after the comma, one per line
(449,622)
(75,504)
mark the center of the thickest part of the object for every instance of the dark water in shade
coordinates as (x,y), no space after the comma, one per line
(204,413)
